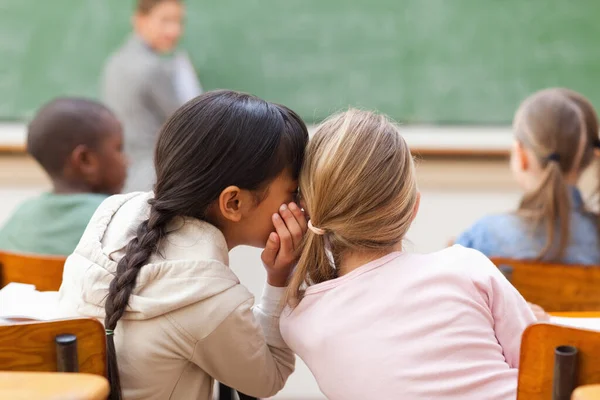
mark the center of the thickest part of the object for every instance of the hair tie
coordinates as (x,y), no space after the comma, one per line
(110,332)
(596,143)
(553,157)
(315,230)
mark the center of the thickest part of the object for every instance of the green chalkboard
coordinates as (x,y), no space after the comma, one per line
(421,61)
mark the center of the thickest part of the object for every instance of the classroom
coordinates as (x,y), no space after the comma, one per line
(299,200)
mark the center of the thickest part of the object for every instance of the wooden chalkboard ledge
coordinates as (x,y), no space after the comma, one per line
(12,137)
(425,141)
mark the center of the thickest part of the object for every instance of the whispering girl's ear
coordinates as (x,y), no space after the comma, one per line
(231,203)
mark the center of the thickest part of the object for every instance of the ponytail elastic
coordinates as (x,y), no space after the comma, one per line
(315,230)
(596,143)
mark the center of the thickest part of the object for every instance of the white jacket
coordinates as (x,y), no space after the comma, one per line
(189,319)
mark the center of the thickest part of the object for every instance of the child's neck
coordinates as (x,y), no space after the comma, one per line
(63,187)
(356,259)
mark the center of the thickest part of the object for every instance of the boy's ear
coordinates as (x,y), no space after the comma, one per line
(84,160)
(230,203)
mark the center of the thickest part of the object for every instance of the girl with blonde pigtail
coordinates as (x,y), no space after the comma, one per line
(556,137)
(373,321)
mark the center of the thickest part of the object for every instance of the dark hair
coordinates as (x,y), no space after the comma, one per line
(216,140)
(63,124)
(146,6)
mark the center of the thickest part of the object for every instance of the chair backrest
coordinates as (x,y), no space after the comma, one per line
(45,272)
(536,369)
(555,287)
(588,392)
(30,346)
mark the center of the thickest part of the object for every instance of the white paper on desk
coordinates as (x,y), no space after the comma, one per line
(584,323)
(21,300)
(186,80)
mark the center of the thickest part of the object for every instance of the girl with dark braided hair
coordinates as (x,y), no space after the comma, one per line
(154,266)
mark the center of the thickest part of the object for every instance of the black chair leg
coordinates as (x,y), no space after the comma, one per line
(225,392)
(66,353)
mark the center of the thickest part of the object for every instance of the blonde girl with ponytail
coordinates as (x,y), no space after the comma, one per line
(371,320)
(556,133)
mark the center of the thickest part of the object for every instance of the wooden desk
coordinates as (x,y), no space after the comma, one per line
(588,392)
(52,385)
(576,314)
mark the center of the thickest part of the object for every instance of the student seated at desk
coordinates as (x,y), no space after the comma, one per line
(556,133)
(373,321)
(155,266)
(78,142)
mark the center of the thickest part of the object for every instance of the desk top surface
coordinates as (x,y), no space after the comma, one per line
(52,385)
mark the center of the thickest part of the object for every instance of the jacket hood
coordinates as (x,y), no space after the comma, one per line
(191,263)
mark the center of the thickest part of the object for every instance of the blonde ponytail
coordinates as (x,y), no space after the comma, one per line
(359,188)
(313,267)
(554,125)
(552,201)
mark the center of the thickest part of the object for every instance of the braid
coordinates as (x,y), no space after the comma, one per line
(137,253)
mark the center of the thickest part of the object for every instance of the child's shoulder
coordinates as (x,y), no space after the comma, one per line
(490,230)
(459,261)
(32,206)
(494,222)
(85,198)
(460,256)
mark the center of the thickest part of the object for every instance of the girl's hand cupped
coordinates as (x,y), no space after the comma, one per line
(283,246)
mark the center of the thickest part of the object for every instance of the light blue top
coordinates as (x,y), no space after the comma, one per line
(508,235)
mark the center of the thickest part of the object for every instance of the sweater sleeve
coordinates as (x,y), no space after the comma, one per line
(162,92)
(246,351)
(509,310)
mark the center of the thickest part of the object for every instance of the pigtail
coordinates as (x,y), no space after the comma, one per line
(551,205)
(313,267)
(137,254)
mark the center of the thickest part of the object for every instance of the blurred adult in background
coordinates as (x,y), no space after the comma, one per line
(145,80)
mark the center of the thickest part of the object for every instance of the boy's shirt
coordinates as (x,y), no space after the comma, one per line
(50,224)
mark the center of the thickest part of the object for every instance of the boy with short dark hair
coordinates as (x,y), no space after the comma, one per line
(78,142)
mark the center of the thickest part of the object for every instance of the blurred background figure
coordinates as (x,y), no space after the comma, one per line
(144,81)
(79,144)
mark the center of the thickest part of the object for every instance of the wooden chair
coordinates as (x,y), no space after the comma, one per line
(588,392)
(52,386)
(32,346)
(554,287)
(576,314)
(45,272)
(536,370)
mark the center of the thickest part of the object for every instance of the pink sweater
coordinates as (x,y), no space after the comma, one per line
(445,325)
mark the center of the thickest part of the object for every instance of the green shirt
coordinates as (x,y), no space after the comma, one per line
(50,224)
